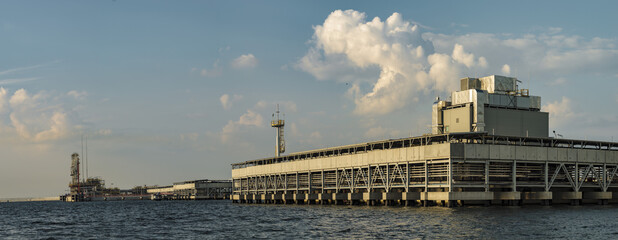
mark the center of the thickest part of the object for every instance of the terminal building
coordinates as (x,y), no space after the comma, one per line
(489,144)
(193,190)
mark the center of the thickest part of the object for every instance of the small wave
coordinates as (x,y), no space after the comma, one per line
(347,230)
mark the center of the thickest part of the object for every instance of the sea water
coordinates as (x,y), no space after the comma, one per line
(226,220)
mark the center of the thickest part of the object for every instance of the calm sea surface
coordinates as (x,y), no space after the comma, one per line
(225,220)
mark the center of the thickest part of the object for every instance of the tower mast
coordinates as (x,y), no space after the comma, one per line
(279,141)
(75,175)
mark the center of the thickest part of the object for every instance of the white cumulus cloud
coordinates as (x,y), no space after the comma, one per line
(245,61)
(463,57)
(560,112)
(20,97)
(227,100)
(506,69)
(35,117)
(252,119)
(214,71)
(248,119)
(407,63)
(389,63)
(78,95)
(3,100)
(543,54)
(58,128)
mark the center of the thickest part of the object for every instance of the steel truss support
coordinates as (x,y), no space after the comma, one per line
(514,176)
(583,177)
(609,179)
(444,175)
(486,176)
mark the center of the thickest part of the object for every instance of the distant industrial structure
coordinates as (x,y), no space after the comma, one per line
(193,190)
(76,194)
(93,189)
(489,144)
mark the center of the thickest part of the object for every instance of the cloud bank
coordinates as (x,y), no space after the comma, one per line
(408,64)
(245,61)
(227,100)
(560,112)
(35,117)
(391,62)
(250,118)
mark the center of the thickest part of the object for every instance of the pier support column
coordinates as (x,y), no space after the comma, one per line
(371,197)
(324,197)
(311,198)
(601,198)
(508,198)
(390,197)
(424,199)
(288,198)
(339,198)
(573,198)
(355,198)
(278,198)
(408,197)
(299,198)
(543,197)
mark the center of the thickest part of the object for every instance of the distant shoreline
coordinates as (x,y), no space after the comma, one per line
(43,199)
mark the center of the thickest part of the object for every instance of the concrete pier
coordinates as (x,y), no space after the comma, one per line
(311,198)
(299,198)
(437,170)
(355,198)
(324,197)
(372,197)
(338,198)
(601,198)
(288,198)
(447,199)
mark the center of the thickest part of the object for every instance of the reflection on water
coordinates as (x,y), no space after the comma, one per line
(222,219)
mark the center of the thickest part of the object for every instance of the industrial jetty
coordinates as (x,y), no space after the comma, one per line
(83,188)
(490,144)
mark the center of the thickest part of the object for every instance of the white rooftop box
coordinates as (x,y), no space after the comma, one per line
(496,83)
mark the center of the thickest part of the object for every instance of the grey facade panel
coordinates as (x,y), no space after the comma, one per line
(536,123)
(457,150)
(511,122)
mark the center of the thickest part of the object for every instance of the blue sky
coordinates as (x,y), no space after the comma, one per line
(173,91)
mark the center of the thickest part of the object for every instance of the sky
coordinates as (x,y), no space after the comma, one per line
(174,91)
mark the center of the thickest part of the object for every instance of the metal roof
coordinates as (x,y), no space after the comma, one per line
(201,180)
(463,137)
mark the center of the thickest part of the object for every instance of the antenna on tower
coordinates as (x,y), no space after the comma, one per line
(86,159)
(82,170)
(279,141)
